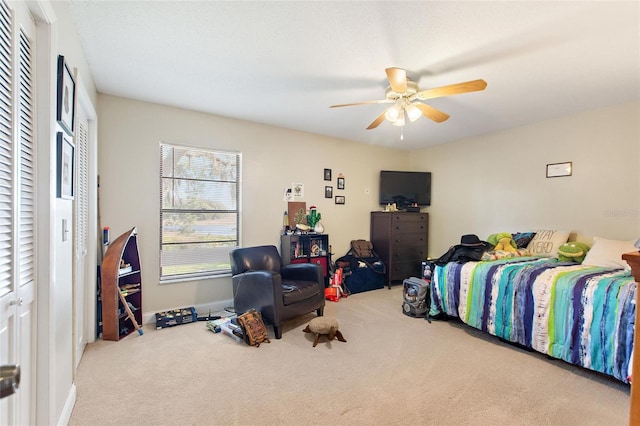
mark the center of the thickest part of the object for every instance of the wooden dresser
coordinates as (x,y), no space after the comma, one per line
(400,239)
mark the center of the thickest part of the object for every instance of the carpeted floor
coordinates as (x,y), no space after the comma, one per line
(392,370)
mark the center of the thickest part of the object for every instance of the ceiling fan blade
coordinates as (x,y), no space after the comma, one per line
(397,79)
(453,89)
(381,101)
(375,123)
(432,113)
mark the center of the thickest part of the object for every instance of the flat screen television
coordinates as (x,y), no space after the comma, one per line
(405,188)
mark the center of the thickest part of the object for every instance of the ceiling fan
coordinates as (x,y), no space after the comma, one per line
(404,94)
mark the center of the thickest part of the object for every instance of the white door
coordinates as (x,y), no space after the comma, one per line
(17,197)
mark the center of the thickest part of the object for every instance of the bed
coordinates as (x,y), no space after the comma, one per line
(582,314)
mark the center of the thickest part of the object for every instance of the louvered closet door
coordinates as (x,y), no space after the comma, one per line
(81,231)
(17,195)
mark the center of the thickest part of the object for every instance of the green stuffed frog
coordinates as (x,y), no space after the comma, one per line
(502,241)
(573,252)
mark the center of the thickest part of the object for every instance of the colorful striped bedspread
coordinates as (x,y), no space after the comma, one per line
(581,314)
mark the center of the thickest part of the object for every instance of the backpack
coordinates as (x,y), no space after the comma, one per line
(253,327)
(362,249)
(416,297)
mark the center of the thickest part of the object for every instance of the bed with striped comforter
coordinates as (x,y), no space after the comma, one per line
(581,314)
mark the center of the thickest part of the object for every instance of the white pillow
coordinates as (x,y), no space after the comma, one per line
(546,242)
(608,253)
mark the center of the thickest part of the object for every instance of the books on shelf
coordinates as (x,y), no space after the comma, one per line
(124,270)
(126,287)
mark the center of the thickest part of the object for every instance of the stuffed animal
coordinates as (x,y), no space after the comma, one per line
(324,326)
(573,252)
(502,241)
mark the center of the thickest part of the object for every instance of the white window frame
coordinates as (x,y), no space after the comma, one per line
(197,253)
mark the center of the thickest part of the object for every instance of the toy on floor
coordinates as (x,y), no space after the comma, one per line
(502,241)
(334,292)
(324,326)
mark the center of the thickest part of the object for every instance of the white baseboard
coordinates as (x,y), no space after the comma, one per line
(202,309)
(65,415)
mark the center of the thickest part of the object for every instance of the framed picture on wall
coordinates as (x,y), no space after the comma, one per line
(340,199)
(327,174)
(65,166)
(66,96)
(328,192)
(559,169)
(340,183)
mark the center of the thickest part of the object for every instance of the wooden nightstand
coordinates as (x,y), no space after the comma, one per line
(633,259)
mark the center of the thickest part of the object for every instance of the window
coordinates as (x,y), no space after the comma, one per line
(199,211)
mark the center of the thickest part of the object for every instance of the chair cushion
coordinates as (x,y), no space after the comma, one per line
(297,291)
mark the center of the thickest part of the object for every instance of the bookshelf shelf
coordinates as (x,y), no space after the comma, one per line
(307,248)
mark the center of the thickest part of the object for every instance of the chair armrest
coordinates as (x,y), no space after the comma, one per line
(302,272)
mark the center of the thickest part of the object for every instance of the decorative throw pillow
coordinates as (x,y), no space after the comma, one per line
(608,253)
(545,243)
(522,239)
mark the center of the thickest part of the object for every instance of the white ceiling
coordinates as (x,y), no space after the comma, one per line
(284,63)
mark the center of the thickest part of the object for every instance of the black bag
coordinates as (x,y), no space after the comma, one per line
(416,297)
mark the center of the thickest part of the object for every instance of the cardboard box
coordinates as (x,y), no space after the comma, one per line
(176,317)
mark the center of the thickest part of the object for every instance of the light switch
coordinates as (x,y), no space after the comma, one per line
(65,230)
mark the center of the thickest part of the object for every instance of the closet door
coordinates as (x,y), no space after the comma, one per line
(17,197)
(81,243)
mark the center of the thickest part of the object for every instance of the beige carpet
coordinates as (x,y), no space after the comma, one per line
(392,370)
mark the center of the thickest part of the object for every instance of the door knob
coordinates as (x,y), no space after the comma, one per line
(16,302)
(9,380)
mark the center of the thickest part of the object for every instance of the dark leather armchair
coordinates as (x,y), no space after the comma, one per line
(279,292)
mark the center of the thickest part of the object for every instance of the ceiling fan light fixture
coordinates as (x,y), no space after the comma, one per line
(413,112)
(399,122)
(393,113)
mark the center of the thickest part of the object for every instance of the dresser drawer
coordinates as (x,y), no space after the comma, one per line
(402,270)
(403,218)
(404,253)
(408,227)
(409,240)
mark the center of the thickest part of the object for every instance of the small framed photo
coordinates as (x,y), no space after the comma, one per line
(66,166)
(327,175)
(339,199)
(559,169)
(341,183)
(66,96)
(328,192)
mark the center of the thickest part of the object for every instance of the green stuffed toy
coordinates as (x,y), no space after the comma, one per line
(573,252)
(502,241)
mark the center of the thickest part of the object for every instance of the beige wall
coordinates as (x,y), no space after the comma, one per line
(273,158)
(481,185)
(497,182)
